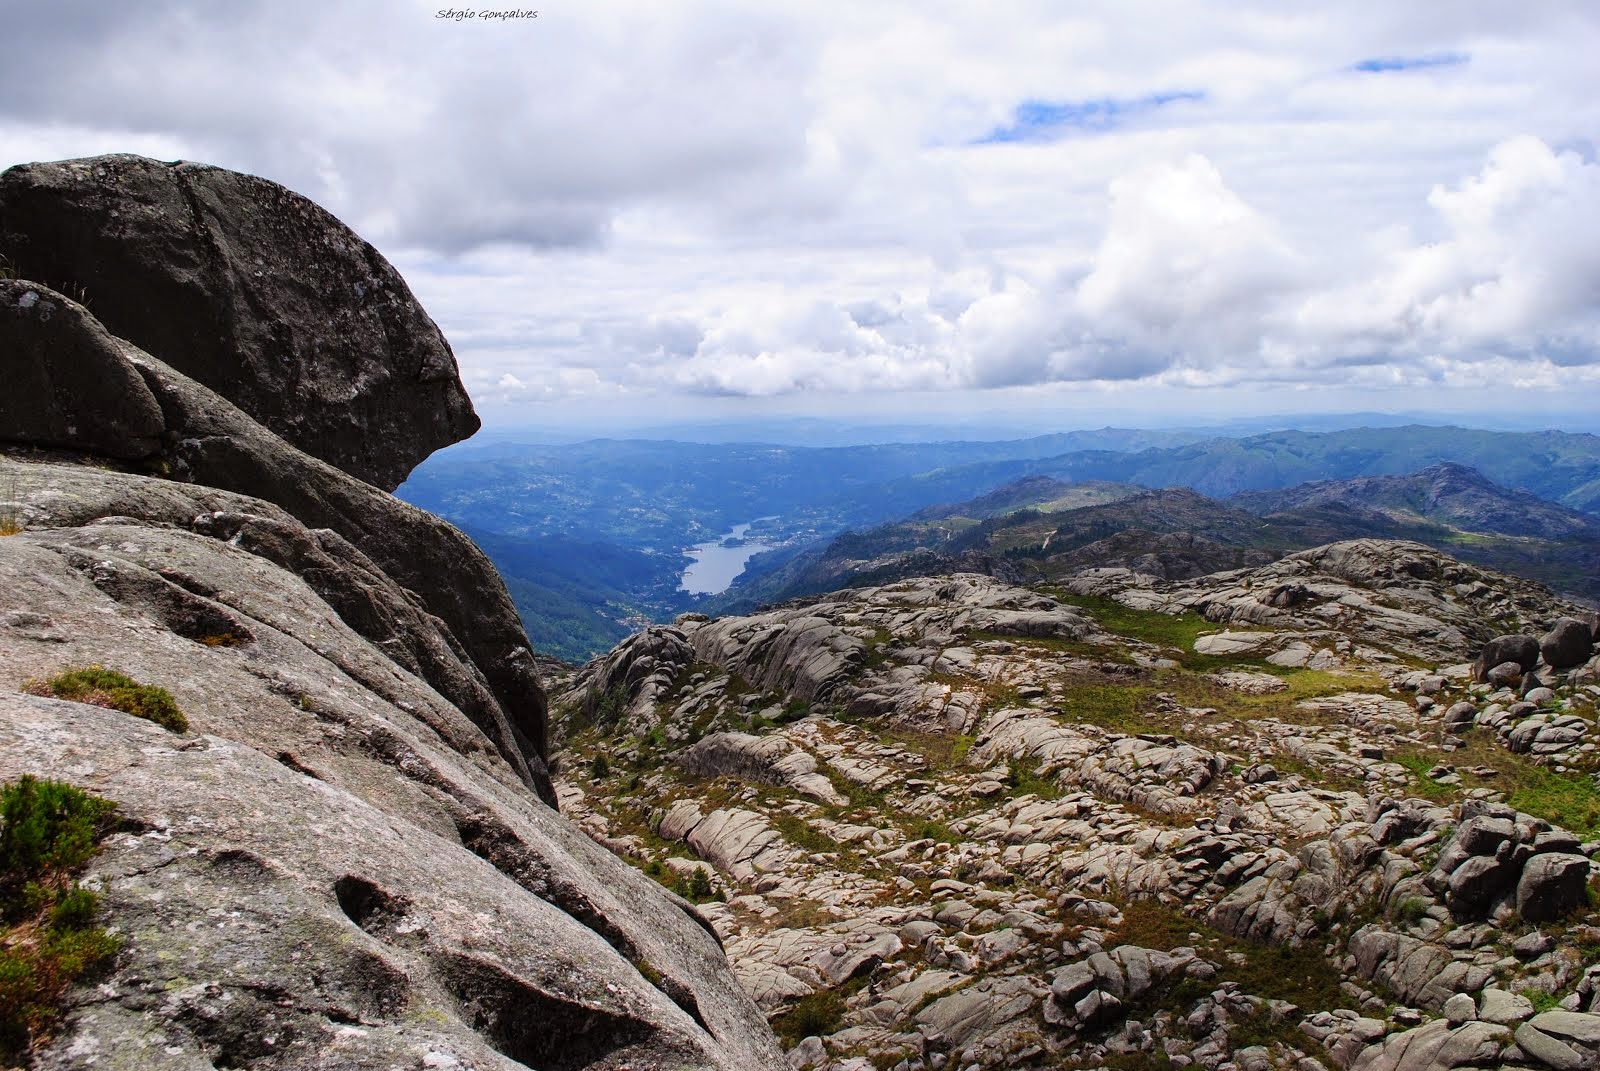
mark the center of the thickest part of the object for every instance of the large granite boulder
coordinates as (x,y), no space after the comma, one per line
(1521,649)
(1568,643)
(252,290)
(329,872)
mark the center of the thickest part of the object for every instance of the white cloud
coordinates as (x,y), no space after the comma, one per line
(630,200)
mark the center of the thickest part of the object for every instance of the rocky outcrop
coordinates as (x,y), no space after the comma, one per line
(1278,839)
(207,441)
(1384,595)
(252,290)
(345,860)
(770,760)
(284,910)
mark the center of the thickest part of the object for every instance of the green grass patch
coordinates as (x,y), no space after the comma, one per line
(1417,765)
(1162,630)
(102,687)
(1089,652)
(802,834)
(1569,800)
(1198,690)
(1302,974)
(1108,705)
(48,940)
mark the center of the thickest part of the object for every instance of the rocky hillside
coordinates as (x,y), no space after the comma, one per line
(338,857)
(1446,494)
(1334,811)
(1038,529)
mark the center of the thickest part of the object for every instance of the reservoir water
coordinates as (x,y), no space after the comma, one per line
(715,565)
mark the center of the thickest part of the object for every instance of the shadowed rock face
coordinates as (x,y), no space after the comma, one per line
(252,290)
(67,383)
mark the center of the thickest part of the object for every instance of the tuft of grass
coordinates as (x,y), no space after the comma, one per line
(102,687)
(1541,1001)
(48,831)
(1411,909)
(697,887)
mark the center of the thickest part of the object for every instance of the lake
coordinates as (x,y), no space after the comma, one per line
(715,565)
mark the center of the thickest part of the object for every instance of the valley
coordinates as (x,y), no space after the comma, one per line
(594,537)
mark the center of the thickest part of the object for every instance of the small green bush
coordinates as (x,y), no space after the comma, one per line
(45,827)
(48,940)
(104,687)
(599,768)
(816,1015)
(697,886)
(1411,909)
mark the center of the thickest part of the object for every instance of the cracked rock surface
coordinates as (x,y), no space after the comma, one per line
(1270,818)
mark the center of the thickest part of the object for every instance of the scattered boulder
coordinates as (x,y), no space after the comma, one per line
(1522,650)
(1552,886)
(1460,717)
(1569,643)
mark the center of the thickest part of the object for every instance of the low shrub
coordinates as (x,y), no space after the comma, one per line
(48,940)
(104,687)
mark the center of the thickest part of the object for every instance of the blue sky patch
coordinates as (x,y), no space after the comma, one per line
(1386,64)
(1046,120)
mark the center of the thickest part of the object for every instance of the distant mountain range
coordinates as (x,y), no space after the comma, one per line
(1020,532)
(590,536)
(1445,494)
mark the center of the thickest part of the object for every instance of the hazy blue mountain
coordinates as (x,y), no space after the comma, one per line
(590,535)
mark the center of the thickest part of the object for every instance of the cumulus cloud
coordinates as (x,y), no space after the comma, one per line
(1514,270)
(639,200)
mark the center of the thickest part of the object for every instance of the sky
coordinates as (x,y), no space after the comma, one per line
(1069,213)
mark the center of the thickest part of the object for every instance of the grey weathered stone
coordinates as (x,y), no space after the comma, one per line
(1549,1051)
(1460,716)
(1579,1028)
(1552,886)
(1500,1006)
(379,901)
(1460,1009)
(1475,884)
(1568,643)
(771,760)
(1505,673)
(252,290)
(1523,650)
